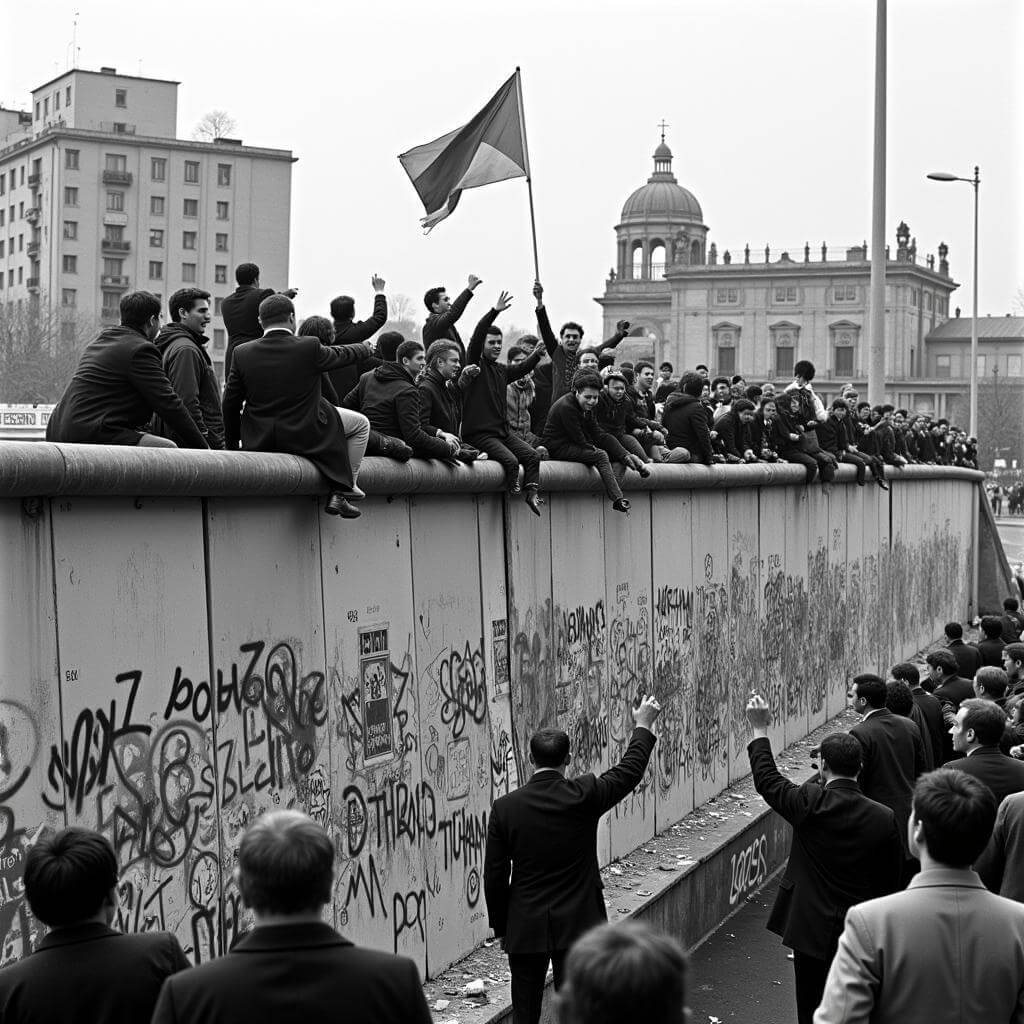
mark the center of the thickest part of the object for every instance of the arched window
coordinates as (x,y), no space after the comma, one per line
(695,257)
(657,260)
(638,260)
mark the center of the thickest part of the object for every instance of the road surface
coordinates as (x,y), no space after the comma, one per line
(1011,532)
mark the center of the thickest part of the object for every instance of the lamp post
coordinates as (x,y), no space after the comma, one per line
(975,181)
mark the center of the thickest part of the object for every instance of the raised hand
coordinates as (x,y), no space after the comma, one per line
(538,292)
(473,281)
(504,301)
(378,283)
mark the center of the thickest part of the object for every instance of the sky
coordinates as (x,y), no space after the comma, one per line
(769,107)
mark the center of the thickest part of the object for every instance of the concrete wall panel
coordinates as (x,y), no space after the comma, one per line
(777,650)
(797,628)
(822,599)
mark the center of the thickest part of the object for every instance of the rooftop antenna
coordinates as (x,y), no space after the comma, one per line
(72,58)
(140,67)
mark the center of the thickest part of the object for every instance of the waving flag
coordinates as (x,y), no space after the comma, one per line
(492,147)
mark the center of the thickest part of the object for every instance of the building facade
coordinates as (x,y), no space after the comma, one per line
(98,197)
(757,312)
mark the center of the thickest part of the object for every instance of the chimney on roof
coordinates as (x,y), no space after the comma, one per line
(108,71)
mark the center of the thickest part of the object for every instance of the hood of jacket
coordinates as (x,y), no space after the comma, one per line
(680,398)
(173,332)
(388,372)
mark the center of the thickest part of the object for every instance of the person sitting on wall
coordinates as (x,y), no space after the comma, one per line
(812,411)
(734,431)
(616,416)
(833,438)
(120,383)
(766,430)
(520,395)
(573,434)
(82,970)
(441,388)
(799,444)
(349,331)
(685,419)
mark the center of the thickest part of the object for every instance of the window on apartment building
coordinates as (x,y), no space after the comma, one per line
(21,243)
(220,274)
(10,278)
(115,162)
(191,208)
(70,195)
(3,217)
(222,211)
(221,243)
(192,172)
(111,303)
(71,159)
(113,232)
(943,366)
(156,238)
(928,301)
(1014,366)
(69,297)
(158,168)
(21,175)
(71,230)
(188,239)
(46,106)
(69,264)
(726,296)
(844,360)
(115,201)
(844,293)
(786,294)
(156,270)
(67,96)
(223,174)
(982,366)
(2,247)
(37,110)
(21,275)
(113,268)
(3,184)
(21,210)
(156,206)
(188,273)
(120,97)
(56,100)
(218,340)
(216,306)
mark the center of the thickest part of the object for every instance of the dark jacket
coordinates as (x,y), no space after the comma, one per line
(442,325)
(564,363)
(968,658)
(117,388)
(89,974)
(617,418)
(1003,775)
(389,399)
(569,426)
(686,426)
(766,433)
(991,651)
(846,849)
(542,885)
(893,755)
(1011,627)
(934,731)
(240,311)
(644,407)
(832,436)
(440,403)
(296,974)
(190,370)
(734,435)
(351,332)
(279,380)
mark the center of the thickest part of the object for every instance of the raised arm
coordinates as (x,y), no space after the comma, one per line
(364,329)
(528,364)
(330,357)
(476,342)
(621,331)
(543,323)
(445,320)
(624,777)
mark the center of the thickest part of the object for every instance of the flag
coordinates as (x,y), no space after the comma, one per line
(492,147)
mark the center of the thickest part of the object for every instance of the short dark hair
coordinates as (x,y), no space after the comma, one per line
(700,366)
(343,307)
(439,349)
(992,680)
(909,673)
(387,345)
(842,753)
(582,379)
(719,380)
(1011,604)
(898,698)
(956,813)
(247,273)
(318,327)
(985,717)
(514,351)
(407,350)
(643,364)
(549,747)
(285,864)
(863,405)
(691,384)
(668,366)
(570,325)
(138,308)
(184,299)
(1015,651)
(839,404)
(768,400)
(494,329)
(68,876)
(753,392)
(742,405)
(622,972)
(944,660)
(804,368)
(992,626)
(871,688)
(954,630)
(738,378)
(275,308)
(432,295)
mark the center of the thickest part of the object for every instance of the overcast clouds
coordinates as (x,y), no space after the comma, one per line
(769,106)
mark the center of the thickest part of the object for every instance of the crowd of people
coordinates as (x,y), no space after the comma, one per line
(328,389)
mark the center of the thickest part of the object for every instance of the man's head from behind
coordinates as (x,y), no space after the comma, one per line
(907,672)
(277,311)
(285,865)
(343,308)
(992,627)
(624,974)
(247,274)
(841,756)
(898,698)
(71,878)
(549,748)
(954,631)
(941,664)
(691,384)
(990,683)
(952,818)
(141,312)
(387,345)
(867,693)
(979,723)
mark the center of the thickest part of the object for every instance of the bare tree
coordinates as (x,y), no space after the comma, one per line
(402,317)
(217,124)
(1018,301)
(1000,420)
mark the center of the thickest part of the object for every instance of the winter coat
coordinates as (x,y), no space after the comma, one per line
(190,370)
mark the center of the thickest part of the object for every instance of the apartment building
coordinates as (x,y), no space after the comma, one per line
(98,196)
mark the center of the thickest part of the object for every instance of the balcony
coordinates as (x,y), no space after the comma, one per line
(34,180)
(115,281)
(32,284)
(115,245)
(32,214)
(117,177)
(32,249)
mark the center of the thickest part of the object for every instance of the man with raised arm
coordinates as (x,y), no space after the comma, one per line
(443,314)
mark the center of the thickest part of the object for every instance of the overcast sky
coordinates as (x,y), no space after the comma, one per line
(769,107)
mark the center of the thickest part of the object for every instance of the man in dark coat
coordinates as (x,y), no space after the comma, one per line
(120,384)
(241,310)
(991,644)
(293,968)
(389,399)
(846,848)
(349,331)
(616,415)
(443,314)
(182,346)
(930,710)
(686,423)
(441,388)
(834,439)
(976,732)
(279,379)
(542,884)
(82,971)
(734,431)
(968,659)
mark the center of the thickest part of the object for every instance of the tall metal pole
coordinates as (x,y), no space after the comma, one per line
(876,304)
(974,318)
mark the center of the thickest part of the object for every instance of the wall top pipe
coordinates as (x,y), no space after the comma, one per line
(42,469)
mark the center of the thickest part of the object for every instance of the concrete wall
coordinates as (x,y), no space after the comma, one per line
(174,663)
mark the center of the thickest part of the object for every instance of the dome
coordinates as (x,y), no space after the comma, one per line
(662,152)
(662,198)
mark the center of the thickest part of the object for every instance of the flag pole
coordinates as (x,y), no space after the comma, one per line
(529,177)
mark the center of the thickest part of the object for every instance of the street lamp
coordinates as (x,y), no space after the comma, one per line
(945,176)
